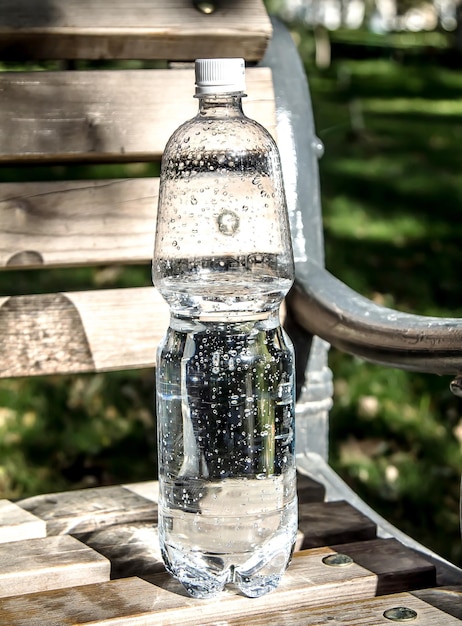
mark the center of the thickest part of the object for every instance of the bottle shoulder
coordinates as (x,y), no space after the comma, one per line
(205,134)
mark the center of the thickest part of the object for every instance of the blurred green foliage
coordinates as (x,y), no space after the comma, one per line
(62,432)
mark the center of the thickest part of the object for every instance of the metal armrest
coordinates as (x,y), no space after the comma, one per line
(325,306)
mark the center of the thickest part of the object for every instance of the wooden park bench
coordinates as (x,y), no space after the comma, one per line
(92,556)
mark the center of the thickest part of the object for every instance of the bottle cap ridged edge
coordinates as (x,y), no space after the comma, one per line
(219,76)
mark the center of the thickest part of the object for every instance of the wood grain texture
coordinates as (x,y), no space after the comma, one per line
(81,331)
(447,599)
(148,489)
(327,523)
(398,568)
(48,563)
(17,524)
(134,602)
(123,115)
(78,222)
(85,510)
(129,602)
(358,613)
(137,29)
(132,548)
(120,522)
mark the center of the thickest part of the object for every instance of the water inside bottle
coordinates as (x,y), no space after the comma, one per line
(228,509)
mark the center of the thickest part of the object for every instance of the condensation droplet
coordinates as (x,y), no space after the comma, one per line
(228,223)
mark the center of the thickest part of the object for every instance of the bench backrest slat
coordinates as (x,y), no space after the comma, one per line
(82,222)
(117,115)
(85,331)
(131,29)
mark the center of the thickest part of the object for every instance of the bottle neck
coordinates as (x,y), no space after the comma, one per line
(221,105)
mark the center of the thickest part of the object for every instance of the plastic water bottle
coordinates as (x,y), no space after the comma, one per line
(225,370)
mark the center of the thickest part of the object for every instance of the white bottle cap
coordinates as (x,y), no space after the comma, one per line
(219,76)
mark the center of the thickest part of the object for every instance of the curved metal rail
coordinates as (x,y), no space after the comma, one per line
(326,307)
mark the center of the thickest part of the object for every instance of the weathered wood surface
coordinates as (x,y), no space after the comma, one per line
(397,567)
(85,510)
(358,613)
(308,582)
(123,115)
(148,489)
(119,523)
(447,599)
(309,490)
(77,222)
(128,29)
(133,549)
(36,565)
(88,510)
(17,524)
(327,523)
(134,602)
(81,331)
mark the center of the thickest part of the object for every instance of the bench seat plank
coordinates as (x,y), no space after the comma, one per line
(134,602)
(17,523)
(36,565)
(398,567)
(327,523)
(133,548)
(85,510)
(358,613)
(307,582)
(106,115)
(81,331)
(447,599)
(131,29)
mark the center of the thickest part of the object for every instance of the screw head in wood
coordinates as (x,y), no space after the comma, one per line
(400,614)
(205,7)
(337,560)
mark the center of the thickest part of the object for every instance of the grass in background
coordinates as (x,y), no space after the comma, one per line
(392,204)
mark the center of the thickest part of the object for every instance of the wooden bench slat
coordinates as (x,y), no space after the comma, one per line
(309,490)
(86,510)
(49,563)
(120,115)
(358,613)
(124,29)
(17,524)
(447,599)
(135,602)
(327,523)
(398,567)
(133,549)
(77,222)
(308,582)
(81,331)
